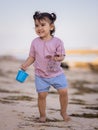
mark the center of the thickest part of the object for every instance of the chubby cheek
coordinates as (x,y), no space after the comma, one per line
(36,30)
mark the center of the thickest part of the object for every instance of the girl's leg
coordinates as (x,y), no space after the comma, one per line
(42,105)
(63,97)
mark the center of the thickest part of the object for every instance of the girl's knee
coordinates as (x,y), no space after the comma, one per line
(63,92)
(42,95)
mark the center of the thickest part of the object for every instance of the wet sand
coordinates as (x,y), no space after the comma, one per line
(18,101)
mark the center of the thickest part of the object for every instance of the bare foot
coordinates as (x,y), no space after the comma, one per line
(66,117)
(42,119)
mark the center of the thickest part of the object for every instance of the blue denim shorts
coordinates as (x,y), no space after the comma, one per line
(43,84)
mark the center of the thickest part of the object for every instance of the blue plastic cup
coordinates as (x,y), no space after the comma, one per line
(21,76)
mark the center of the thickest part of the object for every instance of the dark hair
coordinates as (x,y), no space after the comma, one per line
(51,16)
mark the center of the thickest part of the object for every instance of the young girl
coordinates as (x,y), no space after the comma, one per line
(46,53)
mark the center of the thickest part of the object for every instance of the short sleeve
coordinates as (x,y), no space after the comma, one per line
(60,50)
(32,50)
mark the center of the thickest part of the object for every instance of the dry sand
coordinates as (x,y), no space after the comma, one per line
(18,101)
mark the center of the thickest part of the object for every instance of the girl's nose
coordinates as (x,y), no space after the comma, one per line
(40,27)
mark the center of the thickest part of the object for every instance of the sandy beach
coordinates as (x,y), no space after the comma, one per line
(18,101)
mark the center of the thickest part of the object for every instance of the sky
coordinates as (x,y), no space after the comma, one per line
(76,24)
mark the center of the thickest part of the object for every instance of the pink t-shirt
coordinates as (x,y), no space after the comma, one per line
(46,67)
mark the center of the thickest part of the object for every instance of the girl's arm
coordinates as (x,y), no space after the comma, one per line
(27,63)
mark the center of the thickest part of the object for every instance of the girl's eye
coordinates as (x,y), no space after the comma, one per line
(36,25)
(43,24)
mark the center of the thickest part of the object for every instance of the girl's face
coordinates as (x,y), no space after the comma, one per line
(43,28)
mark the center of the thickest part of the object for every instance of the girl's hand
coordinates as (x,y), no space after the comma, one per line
(58,58)
(23,67)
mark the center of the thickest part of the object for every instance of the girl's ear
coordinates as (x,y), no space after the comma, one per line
(52,27)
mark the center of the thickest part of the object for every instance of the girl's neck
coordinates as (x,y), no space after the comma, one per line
(46,38)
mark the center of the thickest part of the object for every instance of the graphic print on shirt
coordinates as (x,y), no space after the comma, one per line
(51,50)
(53,66)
